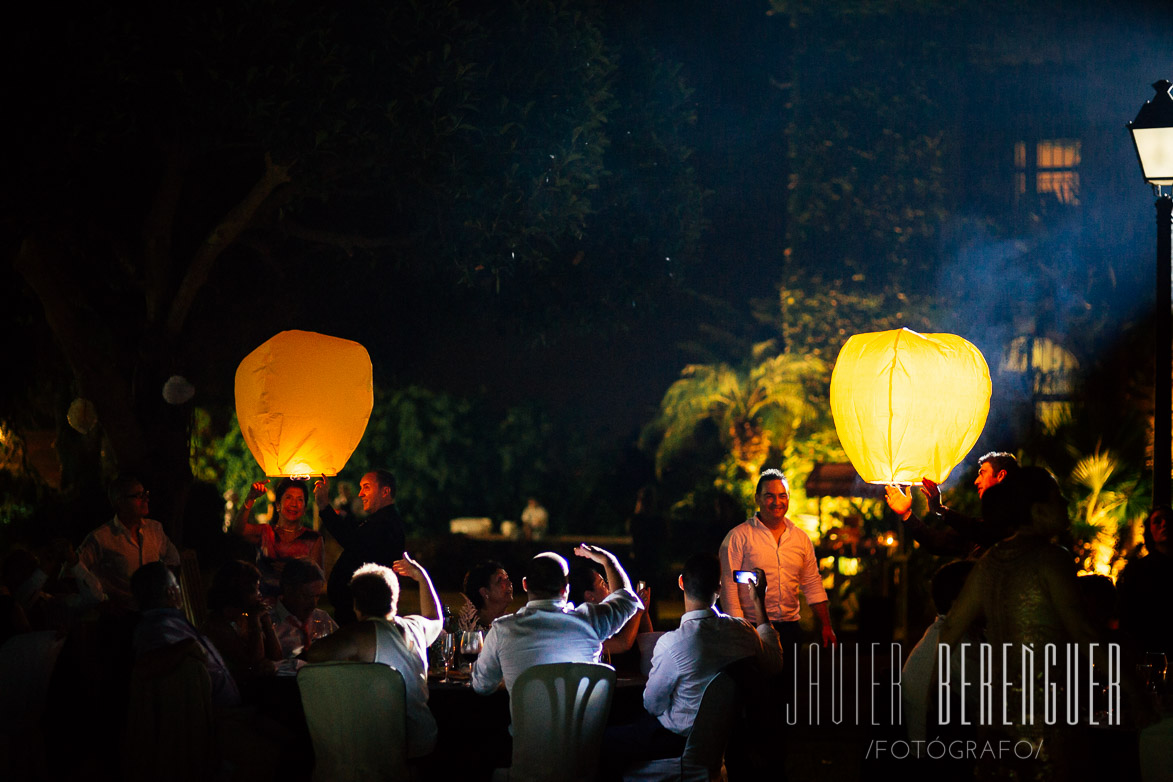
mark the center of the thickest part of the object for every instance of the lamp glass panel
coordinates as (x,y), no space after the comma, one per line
(1155,148)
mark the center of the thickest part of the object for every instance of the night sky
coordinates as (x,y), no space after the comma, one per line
(430,330)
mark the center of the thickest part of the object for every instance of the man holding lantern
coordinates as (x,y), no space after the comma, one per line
(957,534)
(772,542)
(377,538)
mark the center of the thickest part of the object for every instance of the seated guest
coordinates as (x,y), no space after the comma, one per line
(164,629)
(488,591)
(587,585)
(115,550)
(54,587)
(687,659)
(239,623)
(286,539)
(401,642)
(296,617)
(547,629)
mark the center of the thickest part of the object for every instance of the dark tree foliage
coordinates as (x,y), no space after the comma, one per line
(194,178)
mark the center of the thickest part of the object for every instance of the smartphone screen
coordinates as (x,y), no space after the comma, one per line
(745,577)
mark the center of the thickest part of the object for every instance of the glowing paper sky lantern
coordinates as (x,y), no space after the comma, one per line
(909,406)
(303,401)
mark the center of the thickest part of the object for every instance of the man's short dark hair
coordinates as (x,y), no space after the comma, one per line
(149,585)
(385,480)
(581,579)
(547,575)
(298,572)
(770,475)
(480,576)
(119,487)
(999,461)
(292,483)
(702,576)
(375,589)
(947,582)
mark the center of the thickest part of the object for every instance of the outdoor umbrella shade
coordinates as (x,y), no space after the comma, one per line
(303,401)
(909,406)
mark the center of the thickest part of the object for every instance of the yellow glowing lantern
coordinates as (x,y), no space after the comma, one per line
(303,401)
(909,406)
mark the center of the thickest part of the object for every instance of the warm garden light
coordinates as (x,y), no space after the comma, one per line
(303,401)
(909,406)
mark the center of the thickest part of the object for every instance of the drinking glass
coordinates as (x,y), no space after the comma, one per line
(471,642)
(1154,670)
(447,650)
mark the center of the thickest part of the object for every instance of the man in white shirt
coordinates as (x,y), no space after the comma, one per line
(685,660)
(548,629)
(296,616)
(771,542)
(401,642)
(115,550)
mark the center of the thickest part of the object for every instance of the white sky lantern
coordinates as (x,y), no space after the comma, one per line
(303,401)
(909,406)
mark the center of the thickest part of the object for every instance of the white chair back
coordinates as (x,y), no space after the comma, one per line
(356,713)
(559,712)
(704,751)
(1156,752)
(26,666)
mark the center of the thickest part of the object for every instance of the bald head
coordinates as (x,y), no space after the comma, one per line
(547,577)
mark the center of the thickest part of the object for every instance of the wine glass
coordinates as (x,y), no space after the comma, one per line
(471,642)
(447,650)
(1154,670)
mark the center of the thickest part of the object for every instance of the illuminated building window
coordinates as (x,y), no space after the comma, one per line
(1052,170)
(1049,370)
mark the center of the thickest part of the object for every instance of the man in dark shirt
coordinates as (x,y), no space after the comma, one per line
(947,531)
(378,537)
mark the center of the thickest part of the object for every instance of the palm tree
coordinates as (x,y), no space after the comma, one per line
(1107,514)
(756,408)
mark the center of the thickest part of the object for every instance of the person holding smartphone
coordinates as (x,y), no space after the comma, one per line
(772,542)
(687,659)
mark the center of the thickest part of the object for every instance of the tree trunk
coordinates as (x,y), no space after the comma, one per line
(148,437)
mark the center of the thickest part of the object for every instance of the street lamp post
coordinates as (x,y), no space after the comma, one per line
(1152,133)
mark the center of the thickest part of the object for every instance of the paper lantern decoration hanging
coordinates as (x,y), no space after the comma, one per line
(82,415)
(178,390)
(909,406)
(303,401)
